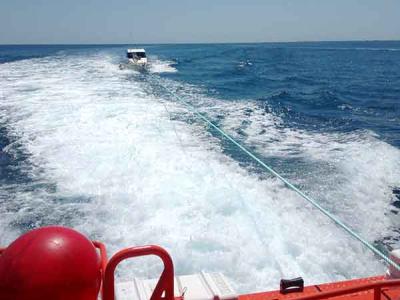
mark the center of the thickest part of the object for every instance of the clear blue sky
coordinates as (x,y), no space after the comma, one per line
(163,21)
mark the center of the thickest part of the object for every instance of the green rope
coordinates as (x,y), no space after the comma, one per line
(291,186)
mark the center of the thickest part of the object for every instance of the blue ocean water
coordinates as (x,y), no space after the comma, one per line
(340,86)
(114,153)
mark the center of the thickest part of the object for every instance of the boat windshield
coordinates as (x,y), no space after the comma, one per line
(136,55)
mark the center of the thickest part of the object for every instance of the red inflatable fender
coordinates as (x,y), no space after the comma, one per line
(52,262)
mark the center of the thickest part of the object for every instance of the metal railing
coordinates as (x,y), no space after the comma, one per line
(165,286)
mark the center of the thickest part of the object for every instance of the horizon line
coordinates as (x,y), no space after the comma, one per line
(197,43)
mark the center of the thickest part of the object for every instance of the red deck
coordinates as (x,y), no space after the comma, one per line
(348,287)
(372,288)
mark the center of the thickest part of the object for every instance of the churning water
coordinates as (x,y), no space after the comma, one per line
(115,154)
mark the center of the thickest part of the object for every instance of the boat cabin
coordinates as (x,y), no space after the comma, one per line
(136,54)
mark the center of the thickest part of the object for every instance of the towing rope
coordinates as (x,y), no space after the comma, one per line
(290,185)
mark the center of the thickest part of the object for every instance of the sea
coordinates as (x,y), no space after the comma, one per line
(123,156)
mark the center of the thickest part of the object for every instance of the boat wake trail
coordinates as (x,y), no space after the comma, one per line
(110,153)
(161,66)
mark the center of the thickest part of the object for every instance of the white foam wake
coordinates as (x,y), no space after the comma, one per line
(352,174)
(112,163)
(161,66)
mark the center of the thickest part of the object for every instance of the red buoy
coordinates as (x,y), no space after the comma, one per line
(50,263)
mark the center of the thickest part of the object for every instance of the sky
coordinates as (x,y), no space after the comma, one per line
(196,21)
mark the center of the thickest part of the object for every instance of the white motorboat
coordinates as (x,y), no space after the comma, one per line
(136,57)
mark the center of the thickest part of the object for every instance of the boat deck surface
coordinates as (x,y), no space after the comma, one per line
(387,293)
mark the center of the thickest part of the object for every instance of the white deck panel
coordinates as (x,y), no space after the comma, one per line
(203,286)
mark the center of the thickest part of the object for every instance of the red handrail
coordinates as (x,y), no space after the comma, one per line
(103,255)
(165,283)
(103,262)
(376,286)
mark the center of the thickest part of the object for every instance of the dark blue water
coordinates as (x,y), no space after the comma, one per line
(82,140)
(338,85)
